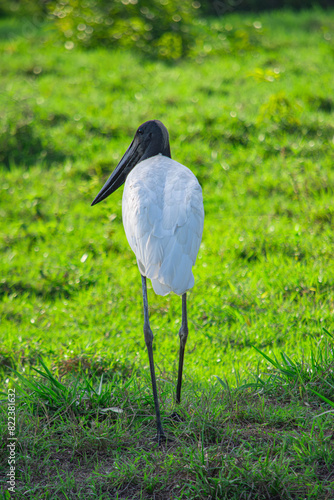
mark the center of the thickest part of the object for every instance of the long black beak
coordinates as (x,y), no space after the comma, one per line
(117,178)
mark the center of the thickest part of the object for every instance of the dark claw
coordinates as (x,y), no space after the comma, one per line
(176,417)
(162,439)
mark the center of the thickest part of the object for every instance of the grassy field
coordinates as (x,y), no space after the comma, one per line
(252,116)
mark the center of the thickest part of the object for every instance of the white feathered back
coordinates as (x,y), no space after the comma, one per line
(163,219)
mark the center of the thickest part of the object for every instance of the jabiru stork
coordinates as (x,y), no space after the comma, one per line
(163,216)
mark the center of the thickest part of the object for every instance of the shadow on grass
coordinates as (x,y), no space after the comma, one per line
(22,146)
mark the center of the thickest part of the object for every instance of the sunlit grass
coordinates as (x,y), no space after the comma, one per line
(256,128)
(269,438)
(254,120)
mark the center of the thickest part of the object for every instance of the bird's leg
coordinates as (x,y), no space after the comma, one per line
(149,341)
(183,333)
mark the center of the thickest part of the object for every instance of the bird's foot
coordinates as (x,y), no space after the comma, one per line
(162,439)
(176,417)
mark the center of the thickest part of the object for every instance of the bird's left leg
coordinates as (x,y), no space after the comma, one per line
(183,333)
(149,341)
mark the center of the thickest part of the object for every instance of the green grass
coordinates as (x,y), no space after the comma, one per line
(252,116)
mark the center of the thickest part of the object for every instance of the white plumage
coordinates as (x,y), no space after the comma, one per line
(163,220)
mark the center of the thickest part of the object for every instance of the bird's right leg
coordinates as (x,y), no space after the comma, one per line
(149,341)
(183,333)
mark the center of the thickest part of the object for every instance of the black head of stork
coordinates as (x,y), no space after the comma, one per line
(150,140)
